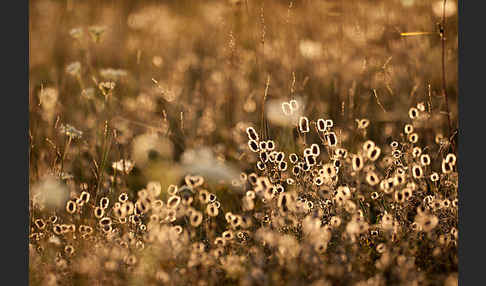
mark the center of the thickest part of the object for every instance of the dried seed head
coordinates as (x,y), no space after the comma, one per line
(294,105)
(417,171)
(303,124)
(425,159)
(105,221)
(228,216)
(286,108)
(309,205)
(413,113)
(455,203)
(446,203)
(329,123)
(243,177)
(416,151)
(123,197)
(296,170)
(117,205)
(178,229)
(315,150)
(40,224)
(194,181)
(408,128)
(321,125)
(335,221)
(212,210)
(79,202)
(328,170)
(104,202)
(363,123)
(434,177)
(399,197)
(341,153)
(374,195)
(447,167)
(203,196)
(219,241)
(427,222)
(53,219)
(451,159)
(99,212)
(253,179)
(399,179)
(310,160)
(260,165)
(252,134)
(368,145)
(415,226)
(142,206)
(331,139)
(357,162)
(380,248)
(336,163)
(172,190)
(71,207)
(263,145)
(293,158)
(407,193)
(439,138)
(250,194)
(187,200)
(307,152)
(212,197)
(85,196)
(236,221)
(227,235)
(374,153)
(372,178)
(270,145)
(421,106)
(128,207)
(253,145)
(173,202)
(196,218)
(69,250)
(57,229)
(413,137)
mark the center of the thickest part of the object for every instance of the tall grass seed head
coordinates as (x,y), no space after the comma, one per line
(304,124)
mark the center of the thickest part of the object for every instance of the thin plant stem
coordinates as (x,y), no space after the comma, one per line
(66,148)
(444,92)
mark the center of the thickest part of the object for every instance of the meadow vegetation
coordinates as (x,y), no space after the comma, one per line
(243,142)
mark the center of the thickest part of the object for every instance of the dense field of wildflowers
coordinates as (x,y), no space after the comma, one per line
(243,142)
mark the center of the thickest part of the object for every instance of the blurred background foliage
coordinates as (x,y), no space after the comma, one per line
(195,73)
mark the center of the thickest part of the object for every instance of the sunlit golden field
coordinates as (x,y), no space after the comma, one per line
(243,142)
